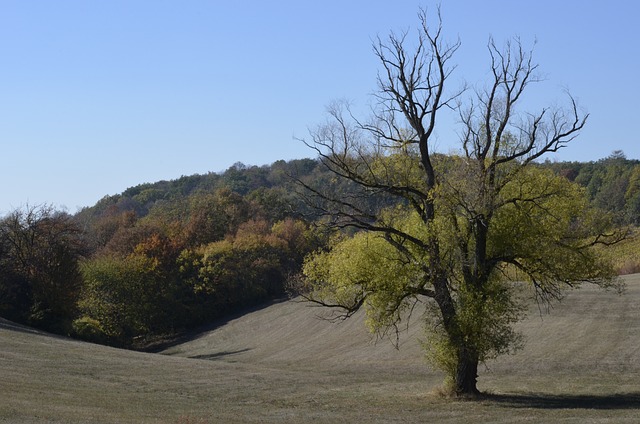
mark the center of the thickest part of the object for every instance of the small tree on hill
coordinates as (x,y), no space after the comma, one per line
(451,230)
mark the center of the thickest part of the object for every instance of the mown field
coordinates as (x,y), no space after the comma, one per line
(283,364)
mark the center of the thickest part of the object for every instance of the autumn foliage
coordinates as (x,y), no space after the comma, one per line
(160,259)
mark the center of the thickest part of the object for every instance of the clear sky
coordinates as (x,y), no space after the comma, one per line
(98,96)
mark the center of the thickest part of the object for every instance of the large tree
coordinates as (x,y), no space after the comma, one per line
(451,231)
(40,281)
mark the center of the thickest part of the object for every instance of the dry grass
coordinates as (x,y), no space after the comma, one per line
(281,364)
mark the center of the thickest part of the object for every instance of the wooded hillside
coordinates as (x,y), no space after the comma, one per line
(162,258)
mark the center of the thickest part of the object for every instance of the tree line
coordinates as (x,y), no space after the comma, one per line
(162,258)
(612,184)
(158,259)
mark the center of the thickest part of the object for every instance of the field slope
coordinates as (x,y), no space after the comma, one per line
(283,364)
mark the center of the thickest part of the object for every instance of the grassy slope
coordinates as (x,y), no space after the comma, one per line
(281,364)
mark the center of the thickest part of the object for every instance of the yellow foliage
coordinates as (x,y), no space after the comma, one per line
(538,225)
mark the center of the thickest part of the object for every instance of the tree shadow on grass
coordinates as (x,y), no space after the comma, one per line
(217,355)
(12,326)
(21,328)
(203,330)
(568,401)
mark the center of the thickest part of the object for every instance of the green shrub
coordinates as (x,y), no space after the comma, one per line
(89,329)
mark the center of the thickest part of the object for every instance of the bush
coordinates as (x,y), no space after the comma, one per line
(90,330)
(129,297)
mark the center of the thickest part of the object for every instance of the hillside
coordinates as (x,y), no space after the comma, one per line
(210,246)
(282,364)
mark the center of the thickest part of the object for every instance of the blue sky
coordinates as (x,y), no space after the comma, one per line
(98,96)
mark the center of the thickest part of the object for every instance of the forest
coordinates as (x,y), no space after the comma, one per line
(160,259)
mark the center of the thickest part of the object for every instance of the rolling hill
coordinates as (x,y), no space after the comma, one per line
(283,364)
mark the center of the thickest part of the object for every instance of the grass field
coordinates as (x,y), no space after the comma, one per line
(281,364)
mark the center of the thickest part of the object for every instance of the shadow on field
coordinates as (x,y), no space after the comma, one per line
(548,401)
(219,354)
(8,325)
(12,326)
(204,329)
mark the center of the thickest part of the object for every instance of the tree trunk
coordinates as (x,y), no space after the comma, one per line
(466,377)
(466,374)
